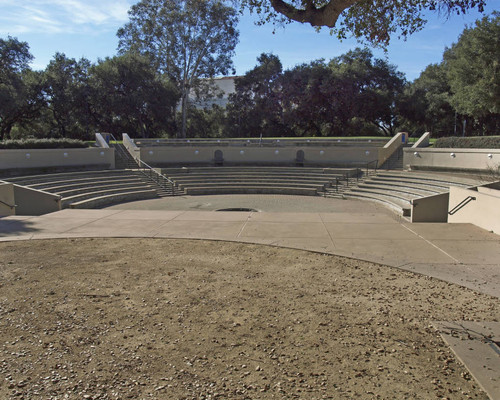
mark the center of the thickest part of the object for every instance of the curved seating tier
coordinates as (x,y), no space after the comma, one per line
(262,180)
(91,189)
(397,189)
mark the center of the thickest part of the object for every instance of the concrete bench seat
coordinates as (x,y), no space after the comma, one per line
(392,194)
(300,191)
(423,186)
(113,198)
(99,193)
(250,184)
(400,206)
(110,185)
(251,175)
(40,179)
(89,184)
(412,190)
(446,180)
(259,180)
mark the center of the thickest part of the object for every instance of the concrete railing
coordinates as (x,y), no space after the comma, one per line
(423,141)
(101,142)
(483,210)
(131,147)
(451,159)
(21,200)
(392,146)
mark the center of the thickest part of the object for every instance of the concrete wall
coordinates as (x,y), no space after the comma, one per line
(483,212)
(430,209)
(7,199)
(43,158)
(163,155)
(451,159)
(35,202)
(27,201)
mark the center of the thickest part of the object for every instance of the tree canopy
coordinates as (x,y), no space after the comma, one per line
(373,20)
(186,39)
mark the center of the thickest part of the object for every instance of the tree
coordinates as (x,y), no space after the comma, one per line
(129,95)
(255,107)
(373,20)
(371,87)
(188,40)
(67,96)
(473,73)
(20,88)
(425,104)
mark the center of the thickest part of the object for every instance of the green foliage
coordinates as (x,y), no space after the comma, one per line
(42,144)
(373,21)
(473,66)
(487,142)
(351,95)
(20,89)
(67,95)
(255,107)
(206,123)
(187,40)
(127,94)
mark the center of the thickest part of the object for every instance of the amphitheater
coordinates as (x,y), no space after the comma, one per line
(293,234)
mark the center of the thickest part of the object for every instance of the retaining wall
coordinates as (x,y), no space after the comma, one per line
(54,158)
(451,159)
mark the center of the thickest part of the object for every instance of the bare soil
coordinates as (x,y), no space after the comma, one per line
(184,319)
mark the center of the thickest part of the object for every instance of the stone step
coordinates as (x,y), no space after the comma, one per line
(114,198)
(300,191)
(66,201)
(416,191)
(109,186)
(402,207)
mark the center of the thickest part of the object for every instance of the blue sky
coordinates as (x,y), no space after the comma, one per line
(87,28)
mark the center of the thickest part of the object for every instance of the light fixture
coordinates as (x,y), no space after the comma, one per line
(276,151)
(415,154)
(242,151)
(150,152)
(196,152)
(65,154)
(322,152)
(367,152)
(102,153)
(490,156)
(452,155)
(28,155)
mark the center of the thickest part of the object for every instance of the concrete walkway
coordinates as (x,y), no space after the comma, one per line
(458,253)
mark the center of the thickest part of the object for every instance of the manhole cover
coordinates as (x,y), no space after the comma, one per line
(238,209)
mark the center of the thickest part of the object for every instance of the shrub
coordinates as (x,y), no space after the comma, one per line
(42,144)
(482,142)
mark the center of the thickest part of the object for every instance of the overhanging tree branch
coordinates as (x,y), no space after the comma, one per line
(326,15)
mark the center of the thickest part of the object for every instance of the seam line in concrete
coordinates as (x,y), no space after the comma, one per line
(432,244)
(244,225)
(327,231)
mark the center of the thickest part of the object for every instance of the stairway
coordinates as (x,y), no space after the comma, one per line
(123,159)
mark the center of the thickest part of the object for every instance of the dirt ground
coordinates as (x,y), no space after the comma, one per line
(183,319)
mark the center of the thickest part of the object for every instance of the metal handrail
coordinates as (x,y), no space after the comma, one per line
(8,205)
(462,204)
(368,166)
(157,177)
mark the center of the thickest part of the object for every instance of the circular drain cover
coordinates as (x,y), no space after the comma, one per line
(238,209)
